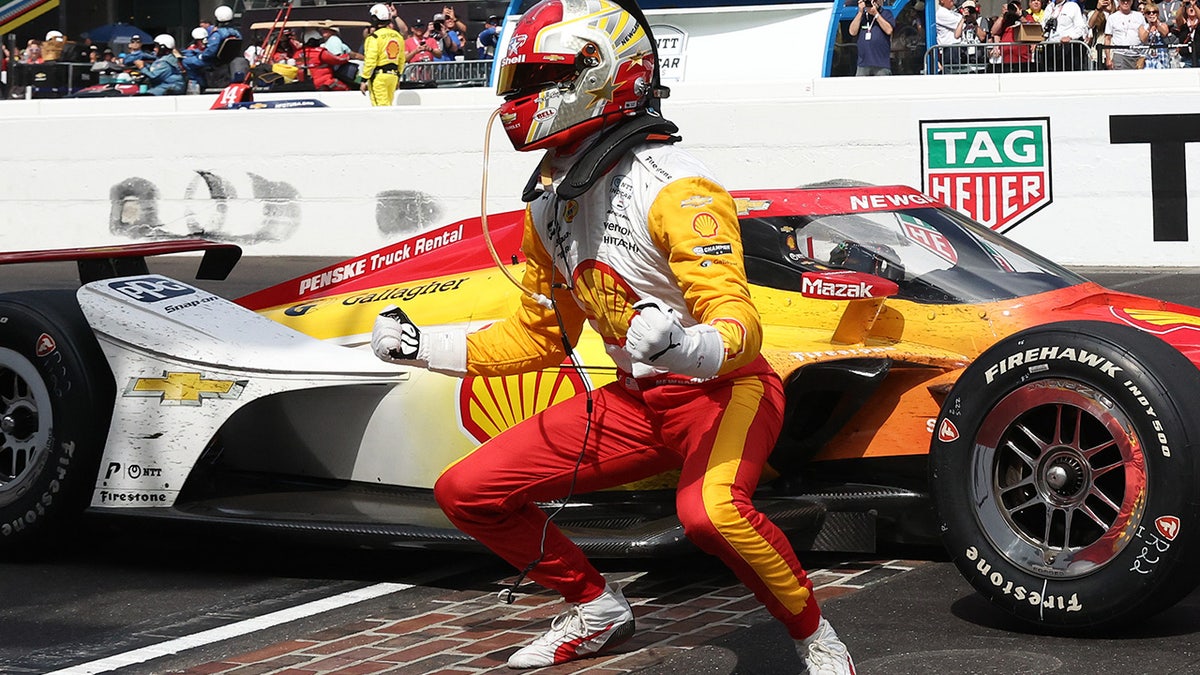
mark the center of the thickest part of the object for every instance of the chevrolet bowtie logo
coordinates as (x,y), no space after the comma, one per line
(745,205)
(696,202)
(184,388)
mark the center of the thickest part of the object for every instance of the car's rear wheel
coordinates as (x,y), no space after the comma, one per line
(1062,470)
(56,396)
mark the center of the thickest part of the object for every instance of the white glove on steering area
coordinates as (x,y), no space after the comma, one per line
(395,338)
(657,339)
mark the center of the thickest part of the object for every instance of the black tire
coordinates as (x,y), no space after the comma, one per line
(56,394)
(1062,468)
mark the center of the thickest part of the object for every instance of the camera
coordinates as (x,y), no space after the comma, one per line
(1050,26)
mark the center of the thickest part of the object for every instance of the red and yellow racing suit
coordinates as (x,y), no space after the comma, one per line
(657,225)
(383,61)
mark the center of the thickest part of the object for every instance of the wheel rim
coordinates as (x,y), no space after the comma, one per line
(25,417)
(1059,478)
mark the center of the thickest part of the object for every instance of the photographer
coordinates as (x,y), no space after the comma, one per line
(971,32)
(447,37)
(1009,57)
(419,45)
(872,29)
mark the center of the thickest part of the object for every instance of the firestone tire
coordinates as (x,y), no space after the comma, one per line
(56,395)
(1063,471)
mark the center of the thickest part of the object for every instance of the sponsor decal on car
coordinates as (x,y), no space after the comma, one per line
(151,289)
(744,205)
(884,201)
(489,405)
(184,388)
(404,293)
(134,471)
(352,269)
(845,285)
(1157,321)
(131,497)
(996,171)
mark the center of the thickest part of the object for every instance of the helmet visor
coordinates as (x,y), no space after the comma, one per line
(521,78)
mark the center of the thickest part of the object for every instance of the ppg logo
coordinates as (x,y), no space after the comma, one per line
(151,289)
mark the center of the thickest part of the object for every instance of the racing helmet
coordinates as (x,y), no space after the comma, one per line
(573,68)
(164,40)
(198,33)
(379,12)
(223,14)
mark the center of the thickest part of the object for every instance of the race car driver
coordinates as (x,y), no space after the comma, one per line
(630,233)
(383,56)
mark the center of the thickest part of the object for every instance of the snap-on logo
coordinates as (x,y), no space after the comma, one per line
(151,289)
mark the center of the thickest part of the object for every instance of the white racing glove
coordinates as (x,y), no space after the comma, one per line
(657,339)
(395,338)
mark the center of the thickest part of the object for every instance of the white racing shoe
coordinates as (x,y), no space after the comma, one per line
(582,630)
(824,653)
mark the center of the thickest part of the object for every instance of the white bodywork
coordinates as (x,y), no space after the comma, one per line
(183,361)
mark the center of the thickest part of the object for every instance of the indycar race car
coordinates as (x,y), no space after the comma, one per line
(942,383)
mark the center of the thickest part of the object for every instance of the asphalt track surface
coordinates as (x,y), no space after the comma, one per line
(118,587)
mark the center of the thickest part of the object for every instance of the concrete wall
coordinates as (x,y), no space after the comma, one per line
(348,178)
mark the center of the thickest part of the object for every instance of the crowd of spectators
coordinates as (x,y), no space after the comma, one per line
(316,58)
(1064,35)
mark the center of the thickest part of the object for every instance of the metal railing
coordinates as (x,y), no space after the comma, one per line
(1010,57)
(448,73)
(1150,57)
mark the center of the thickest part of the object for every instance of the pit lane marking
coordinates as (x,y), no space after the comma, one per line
(233,630)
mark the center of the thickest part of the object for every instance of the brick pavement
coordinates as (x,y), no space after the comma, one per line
(469,631)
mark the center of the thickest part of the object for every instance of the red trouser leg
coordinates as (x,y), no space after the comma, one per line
(490,493)
(726,436)
(721,432)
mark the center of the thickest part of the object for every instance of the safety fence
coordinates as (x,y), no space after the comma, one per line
(1010,57)
(50,80)
(447,74)
(1026,57)
(1150,57)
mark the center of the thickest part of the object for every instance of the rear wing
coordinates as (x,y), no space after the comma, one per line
(107,262)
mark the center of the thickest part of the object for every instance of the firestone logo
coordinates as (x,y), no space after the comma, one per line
(996,171)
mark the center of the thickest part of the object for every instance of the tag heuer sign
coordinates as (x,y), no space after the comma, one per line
(995,171)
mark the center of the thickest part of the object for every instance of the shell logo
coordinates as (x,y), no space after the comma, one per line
(705,225)
(392,49)
(490,405)
(606,297)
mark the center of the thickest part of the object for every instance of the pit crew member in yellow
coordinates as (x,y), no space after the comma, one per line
(383,57)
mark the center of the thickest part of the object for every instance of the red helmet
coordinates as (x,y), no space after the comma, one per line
(573,67)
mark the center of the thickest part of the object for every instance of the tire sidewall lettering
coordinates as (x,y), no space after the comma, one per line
(1147,566)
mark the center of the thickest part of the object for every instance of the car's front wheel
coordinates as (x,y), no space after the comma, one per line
(56,396)
(1062,468)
